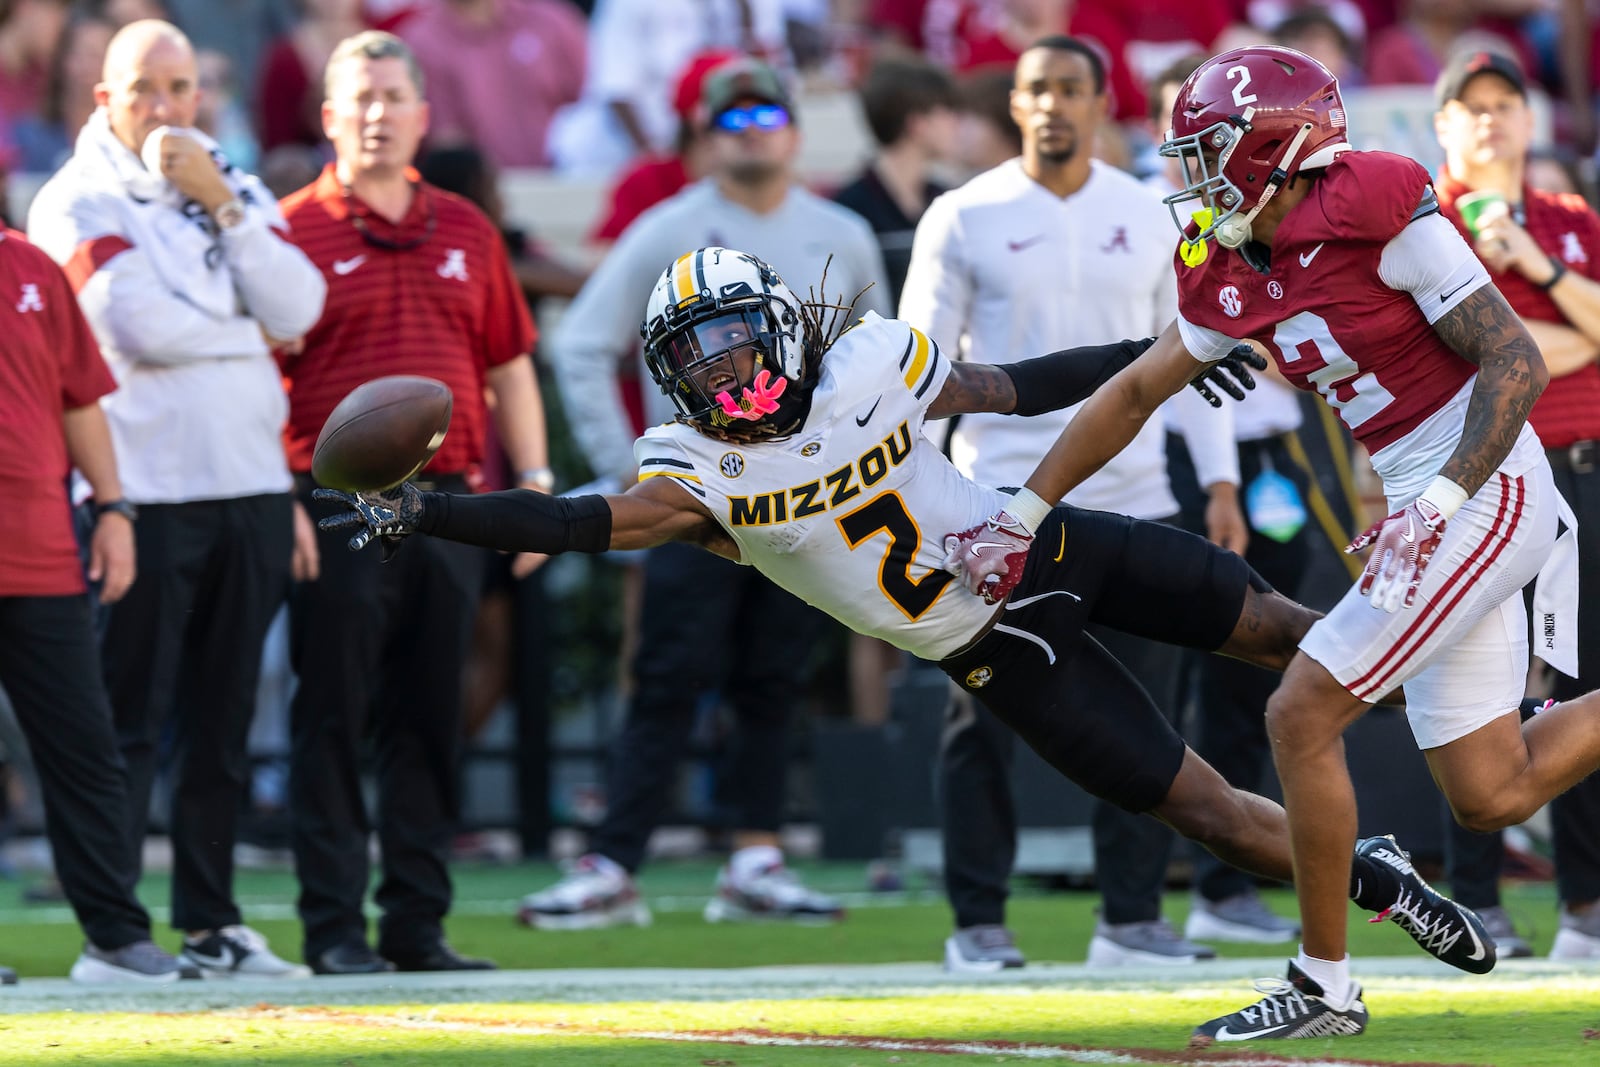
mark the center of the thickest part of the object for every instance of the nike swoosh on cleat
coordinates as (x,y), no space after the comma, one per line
(862,420)
(1224,1034)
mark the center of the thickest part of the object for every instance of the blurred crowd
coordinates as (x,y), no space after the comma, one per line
(589,88)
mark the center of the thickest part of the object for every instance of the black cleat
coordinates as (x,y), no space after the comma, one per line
(1292,1008)
(1445,930)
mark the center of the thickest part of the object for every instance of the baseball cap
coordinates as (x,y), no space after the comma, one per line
(692,79)
(740,79)
(1468,65)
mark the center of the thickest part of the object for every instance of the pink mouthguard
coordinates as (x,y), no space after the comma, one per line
(755,403)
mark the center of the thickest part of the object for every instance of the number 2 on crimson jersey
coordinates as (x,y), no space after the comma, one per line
(887,512)
(1308,348)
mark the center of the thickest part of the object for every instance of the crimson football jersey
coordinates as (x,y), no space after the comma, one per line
(1329,319)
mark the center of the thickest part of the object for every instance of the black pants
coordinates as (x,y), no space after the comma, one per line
(184,646)
(706,623)
(978,814)
(50,667)
(1230,727)
(380,645)
(1474,860)
(1146,588)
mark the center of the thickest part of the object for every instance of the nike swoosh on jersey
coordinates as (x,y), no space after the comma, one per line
(1307,257)
(1062,551)
(345,266)
(1027,242)
(862,420)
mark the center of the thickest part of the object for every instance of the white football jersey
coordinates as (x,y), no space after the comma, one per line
(849,512)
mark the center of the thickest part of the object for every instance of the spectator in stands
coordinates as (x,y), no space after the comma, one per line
(1414,50)
(1544,254)
(1318,34)
(239,29)
(698,609)
(45,141)
(418,283)
(986,135)
(51,421)
(498,71)
(909,103)
(637,49)
(122,12)
(30,33)
(182,270)
(652,178)
(288,94)
(221,115)
(1048,251)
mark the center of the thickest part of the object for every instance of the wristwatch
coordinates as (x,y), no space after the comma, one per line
(229,214)
(542,478)
(126,508)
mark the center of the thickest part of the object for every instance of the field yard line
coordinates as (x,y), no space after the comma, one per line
(768,1038)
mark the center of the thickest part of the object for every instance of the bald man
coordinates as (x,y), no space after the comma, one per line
(181,266)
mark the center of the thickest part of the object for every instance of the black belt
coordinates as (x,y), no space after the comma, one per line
(1580,457)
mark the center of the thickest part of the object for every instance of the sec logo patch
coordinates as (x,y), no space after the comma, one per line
(731,465)
(1232,303)
(811,448)
(979,677)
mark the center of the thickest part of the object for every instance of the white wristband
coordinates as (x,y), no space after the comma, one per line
(1445,495)
(1028,508)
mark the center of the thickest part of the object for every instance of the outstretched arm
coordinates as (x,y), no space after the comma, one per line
(520,520)
(1062,379)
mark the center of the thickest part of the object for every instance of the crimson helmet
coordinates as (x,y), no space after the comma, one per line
(1245,123)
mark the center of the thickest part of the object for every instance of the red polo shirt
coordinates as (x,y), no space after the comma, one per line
(49,363)
(433,294)
(1566,227)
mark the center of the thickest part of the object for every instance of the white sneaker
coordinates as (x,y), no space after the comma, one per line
(1152,941)
(238,952)
(1242,917)
(755,885)
(141,963)
(595,892)
(983,949)
(1578,937)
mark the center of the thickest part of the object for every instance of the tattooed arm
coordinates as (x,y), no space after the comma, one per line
(1483,330)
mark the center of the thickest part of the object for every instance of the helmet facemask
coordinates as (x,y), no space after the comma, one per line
(1205,157)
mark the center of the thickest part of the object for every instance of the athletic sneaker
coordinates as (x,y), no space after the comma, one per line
(1508,944)
(238,952)
(755,885)
(1444,929)
(1292,1008)
(143,962)
(595,892)
(1578,937)
(1241,917)
(982,950)
(1153,941)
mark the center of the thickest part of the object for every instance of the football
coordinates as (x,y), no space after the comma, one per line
(382,433)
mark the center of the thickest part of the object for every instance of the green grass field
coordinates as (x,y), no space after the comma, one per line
(833,1008)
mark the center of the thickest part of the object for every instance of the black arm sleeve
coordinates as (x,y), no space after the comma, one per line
(1061,379)
(519,520)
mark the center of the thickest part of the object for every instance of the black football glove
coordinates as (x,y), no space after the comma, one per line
(1238,363)
(389,516)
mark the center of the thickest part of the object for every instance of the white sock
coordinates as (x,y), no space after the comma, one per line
(753,859)
(1332,975)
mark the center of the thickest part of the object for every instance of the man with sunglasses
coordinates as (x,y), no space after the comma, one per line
(694,601)
(181,266)
(418,283)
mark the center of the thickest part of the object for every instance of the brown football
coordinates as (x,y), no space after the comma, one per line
(382,433)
